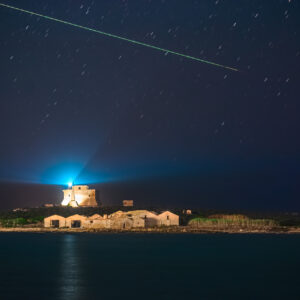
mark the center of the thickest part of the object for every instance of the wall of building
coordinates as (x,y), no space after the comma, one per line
(48,221)
(118,220)
(138,223)
(167,218)
(97,223)
(79,195)
(151,219)
(70,220)
(127,203)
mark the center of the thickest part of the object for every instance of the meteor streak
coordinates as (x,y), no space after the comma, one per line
(121,38)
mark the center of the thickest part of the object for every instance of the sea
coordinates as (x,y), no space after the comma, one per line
(149,266)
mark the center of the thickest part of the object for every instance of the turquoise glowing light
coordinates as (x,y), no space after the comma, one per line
(63,173)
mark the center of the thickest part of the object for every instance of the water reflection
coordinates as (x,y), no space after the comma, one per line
(70,274)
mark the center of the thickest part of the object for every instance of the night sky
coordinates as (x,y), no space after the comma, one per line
(145,125)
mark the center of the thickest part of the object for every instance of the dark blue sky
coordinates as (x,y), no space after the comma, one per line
(156,128)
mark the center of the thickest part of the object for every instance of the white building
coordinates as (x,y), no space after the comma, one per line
(79,195)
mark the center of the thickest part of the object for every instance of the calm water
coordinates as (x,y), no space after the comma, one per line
(140,266)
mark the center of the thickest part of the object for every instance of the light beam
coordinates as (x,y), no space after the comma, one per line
(121,38)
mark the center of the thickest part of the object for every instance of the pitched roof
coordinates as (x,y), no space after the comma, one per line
(54,216)
(76,216)
(95,216)
(167,212)
(141,211)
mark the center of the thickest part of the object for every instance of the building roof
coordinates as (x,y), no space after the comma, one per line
(142,211)
(116,214)
(95,216)
(76,217)
(167,212)
(54,216)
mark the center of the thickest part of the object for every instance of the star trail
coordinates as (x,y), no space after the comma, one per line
(166,51)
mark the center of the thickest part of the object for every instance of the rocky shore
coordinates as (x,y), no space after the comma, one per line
(171,230)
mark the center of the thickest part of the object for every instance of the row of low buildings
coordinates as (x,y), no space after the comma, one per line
(117,220)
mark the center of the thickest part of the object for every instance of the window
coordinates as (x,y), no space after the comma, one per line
(168,218)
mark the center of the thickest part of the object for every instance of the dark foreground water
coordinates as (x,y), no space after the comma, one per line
(149,266)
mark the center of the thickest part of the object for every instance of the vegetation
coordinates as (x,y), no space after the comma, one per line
(234,217)
(231,221)
(20,222)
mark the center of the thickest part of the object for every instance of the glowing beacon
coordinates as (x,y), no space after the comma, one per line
(79,195)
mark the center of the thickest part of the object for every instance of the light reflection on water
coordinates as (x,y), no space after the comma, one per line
(151,266)
(70,275)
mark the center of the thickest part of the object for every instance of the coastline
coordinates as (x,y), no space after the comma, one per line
(170,230)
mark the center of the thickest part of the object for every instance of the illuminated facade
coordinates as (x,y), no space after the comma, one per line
(117,220)
(127,203)
(79,195)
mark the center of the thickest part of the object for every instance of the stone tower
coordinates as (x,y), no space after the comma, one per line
(79,195)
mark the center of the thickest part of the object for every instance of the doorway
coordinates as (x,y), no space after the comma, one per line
(76,224)
(55,223)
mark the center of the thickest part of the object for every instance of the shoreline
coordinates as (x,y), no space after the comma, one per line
(172,230)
